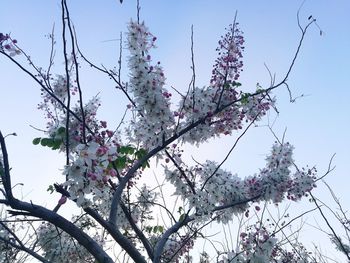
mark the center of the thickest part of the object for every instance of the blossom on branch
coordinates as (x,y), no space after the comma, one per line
(155,119)
(59,247)
(8,45)
(221,106)
(220,193)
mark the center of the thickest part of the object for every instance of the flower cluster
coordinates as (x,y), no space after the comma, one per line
(57,117)
(58,88)
(175,248)
(92,146)
(303,182)
(221,106)
(89,172)
(147,85)
(275,180)
(216,188)
(146,198)
(7,44)
(256,106)
(229,63)
(257,244)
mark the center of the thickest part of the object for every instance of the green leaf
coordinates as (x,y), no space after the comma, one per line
(61,130)
(51,189)
(244,98)
(36,141)
(148,229)
(140,153)
(146,164)
(126,149)
(56,144)
(131,150)
(50,142)
(120,162)
(182,217)
(45,141)
(155,229)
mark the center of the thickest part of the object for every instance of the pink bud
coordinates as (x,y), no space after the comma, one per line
(62,200)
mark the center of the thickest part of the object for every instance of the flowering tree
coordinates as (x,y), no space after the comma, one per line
(104,165)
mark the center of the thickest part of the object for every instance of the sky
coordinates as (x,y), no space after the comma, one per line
(317,124)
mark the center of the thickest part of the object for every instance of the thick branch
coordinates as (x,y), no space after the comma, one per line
(117,236)
(161,243)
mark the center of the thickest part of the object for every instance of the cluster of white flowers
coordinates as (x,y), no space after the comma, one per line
(258,245)
(176,247)
(274,180)
(201,104)
(256,106)
(217,188)
(146,198)
(102,202)
(89,172)
(207,103)
(59,89)
(56,115)
(59,247)
(147,85)
(303,182)
(220,188)
(76,126)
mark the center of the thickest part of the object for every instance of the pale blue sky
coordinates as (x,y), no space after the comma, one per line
(317,125)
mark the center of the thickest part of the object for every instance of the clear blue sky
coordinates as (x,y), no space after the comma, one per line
(317,125)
